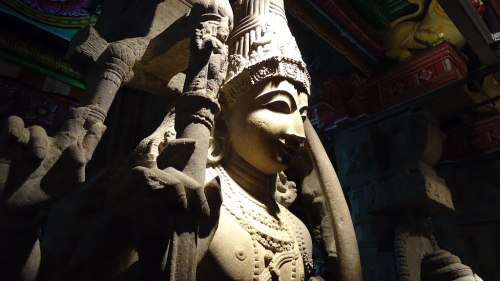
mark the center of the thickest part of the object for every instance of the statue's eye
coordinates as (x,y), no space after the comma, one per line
(279,106)
(277,101)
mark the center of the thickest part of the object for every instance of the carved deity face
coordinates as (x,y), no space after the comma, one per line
(265,125)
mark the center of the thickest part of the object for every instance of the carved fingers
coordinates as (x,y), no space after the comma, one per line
(17,130)
(82,150)
(34,138)
(81,137)
(38,141)
(176,186)
(92,138)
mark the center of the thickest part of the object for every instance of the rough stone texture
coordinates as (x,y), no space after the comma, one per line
(392,160)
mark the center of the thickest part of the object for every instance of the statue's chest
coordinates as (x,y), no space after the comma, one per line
(235,254)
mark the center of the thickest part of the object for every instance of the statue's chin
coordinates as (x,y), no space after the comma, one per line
(278,164)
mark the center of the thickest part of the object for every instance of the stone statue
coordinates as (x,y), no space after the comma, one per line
(205,196)
(264,105)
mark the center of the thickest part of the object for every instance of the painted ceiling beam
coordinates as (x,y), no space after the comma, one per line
(47,23)
(342,30)
(335,34)
(340,11)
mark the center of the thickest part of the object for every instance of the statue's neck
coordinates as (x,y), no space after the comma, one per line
(259,185)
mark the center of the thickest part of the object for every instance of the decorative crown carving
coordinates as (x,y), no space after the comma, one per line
(261,47)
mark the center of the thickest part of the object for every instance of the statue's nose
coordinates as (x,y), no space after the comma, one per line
(295,132)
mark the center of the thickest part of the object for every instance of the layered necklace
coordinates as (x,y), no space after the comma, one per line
(273,233)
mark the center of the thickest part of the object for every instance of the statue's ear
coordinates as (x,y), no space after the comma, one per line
(219,141)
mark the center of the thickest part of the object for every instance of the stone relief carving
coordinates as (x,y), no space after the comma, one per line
(418,257)
(196,200)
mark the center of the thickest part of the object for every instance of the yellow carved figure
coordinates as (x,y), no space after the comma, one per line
(434,29)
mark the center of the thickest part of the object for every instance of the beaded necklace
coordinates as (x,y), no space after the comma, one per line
(273,233)
(264,229)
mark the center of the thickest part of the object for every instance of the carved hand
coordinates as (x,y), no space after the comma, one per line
(177,190)
(38,153)
(33,139)
(80,137)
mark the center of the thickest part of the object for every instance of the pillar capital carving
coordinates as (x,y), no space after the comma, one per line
(391,161)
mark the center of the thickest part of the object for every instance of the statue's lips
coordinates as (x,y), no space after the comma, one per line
(286,151)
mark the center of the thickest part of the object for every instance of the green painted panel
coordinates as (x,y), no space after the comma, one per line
(380,13)
(45,71)
(398,8)
(373,12)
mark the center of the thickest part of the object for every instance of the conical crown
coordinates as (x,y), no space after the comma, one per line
(261,47)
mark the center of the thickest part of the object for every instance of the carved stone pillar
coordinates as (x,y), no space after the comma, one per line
(388,169)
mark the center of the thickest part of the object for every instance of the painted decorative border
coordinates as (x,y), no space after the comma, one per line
(350,97)
(55,17)
(340,12)
(479,138)
(21,51)
(300,11)
(33,105)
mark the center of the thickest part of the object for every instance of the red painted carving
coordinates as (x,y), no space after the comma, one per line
(34,106)
(431,70)
(350,97)
(343,97)
(479,138)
